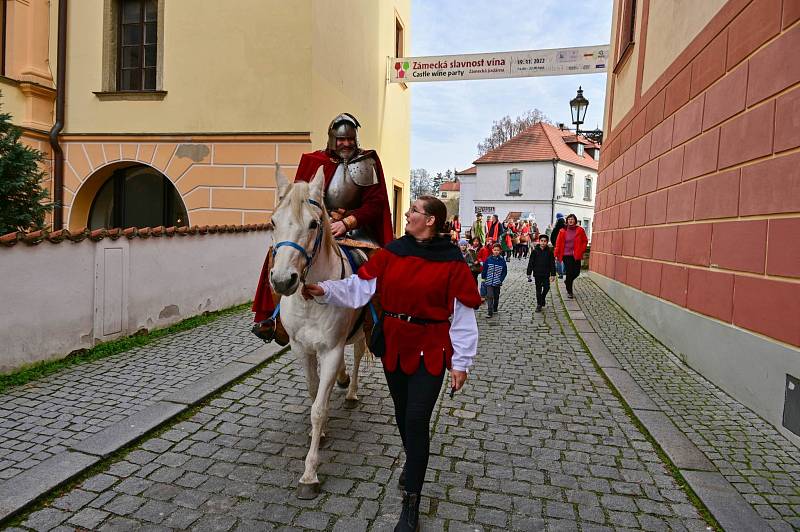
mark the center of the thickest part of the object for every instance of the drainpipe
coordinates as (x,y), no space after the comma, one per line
(553,200)
(58,154)
(3,38)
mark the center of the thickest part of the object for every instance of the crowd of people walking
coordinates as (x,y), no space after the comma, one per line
(557,251)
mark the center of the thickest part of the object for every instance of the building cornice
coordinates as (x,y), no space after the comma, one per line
(258,136)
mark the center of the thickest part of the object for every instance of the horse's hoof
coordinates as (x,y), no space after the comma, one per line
(350,403)
(307,491)
(344,384)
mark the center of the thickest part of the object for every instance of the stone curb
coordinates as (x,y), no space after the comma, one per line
(25,488)
(724,502)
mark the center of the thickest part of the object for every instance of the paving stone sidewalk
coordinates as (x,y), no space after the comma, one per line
(755,458)
(535,441)
(43,418)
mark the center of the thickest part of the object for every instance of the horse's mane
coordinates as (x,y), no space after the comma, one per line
(298,195)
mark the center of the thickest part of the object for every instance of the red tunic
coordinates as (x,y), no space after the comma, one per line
(423,289)
(373,214)
(493,232)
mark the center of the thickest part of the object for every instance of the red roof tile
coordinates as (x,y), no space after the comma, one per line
(472,170)
(540,142)
(450,186)
(35,237)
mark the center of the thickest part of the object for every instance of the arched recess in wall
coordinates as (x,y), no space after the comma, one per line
(128,195)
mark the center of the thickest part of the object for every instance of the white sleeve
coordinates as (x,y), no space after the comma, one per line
(351,292)
(463,336)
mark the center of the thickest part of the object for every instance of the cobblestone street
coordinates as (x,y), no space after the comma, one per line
(41,419)
(536,440)
(757,460)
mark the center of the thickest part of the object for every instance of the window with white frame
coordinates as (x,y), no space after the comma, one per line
(587,188)
(579,149)
(569,179)
(514,182)
(585,225)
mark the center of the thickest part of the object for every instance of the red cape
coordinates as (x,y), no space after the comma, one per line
(373,213)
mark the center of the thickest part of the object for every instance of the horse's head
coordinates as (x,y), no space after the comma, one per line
(299,224)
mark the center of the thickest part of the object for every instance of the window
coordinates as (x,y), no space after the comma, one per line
(398,38)
(514,179)
(596,154)
(137,196)
(137,48)
(568,184)
(444,195)
(587,189)
(397,200)
(626,31)
(579,149)
(585,225)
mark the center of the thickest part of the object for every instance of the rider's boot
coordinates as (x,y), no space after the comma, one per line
(271,329)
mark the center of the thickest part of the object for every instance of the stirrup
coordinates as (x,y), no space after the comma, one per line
(265,330)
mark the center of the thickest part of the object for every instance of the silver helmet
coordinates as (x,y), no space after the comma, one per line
(343,126)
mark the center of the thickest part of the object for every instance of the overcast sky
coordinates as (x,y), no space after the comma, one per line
(449,118)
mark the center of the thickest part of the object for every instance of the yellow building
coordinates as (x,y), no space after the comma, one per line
(176,112)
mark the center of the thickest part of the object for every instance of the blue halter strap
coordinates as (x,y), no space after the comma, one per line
(308,256)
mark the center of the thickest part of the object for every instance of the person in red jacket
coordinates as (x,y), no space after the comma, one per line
(355,193)
(423,281)
(570,247)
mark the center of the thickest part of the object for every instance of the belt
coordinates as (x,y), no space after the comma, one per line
(411,319)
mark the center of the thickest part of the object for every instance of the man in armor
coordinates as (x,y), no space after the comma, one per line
(355,196)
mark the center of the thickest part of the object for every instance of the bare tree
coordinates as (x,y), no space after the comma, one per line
(507,128)
(421,183)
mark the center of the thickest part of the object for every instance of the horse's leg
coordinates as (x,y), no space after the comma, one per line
(312,376)
(329,364)
(342,378)
(359,350)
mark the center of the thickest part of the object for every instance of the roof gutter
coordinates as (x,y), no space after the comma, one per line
(58,153)
(553,199)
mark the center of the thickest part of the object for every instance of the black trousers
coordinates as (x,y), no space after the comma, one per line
(542,288)
(492,298)
(414,397)
(572,269)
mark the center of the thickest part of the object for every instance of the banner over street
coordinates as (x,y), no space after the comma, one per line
(527,63)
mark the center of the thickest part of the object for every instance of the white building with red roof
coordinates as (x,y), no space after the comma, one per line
(540,172)
(450,189)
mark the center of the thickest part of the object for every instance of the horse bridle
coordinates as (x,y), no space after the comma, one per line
(309,257)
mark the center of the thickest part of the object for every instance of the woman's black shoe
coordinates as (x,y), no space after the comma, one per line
(409,517)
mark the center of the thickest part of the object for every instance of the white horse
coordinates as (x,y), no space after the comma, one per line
(305,251)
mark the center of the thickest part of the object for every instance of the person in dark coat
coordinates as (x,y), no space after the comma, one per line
(542,265)
(560,224)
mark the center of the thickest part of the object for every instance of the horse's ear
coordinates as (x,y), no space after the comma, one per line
(317,185)
(282,181)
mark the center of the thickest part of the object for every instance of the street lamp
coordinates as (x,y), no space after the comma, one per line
(578,106)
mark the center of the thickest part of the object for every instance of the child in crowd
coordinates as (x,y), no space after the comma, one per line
(471,258)
(493,274)
(486,251)
(542,265)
